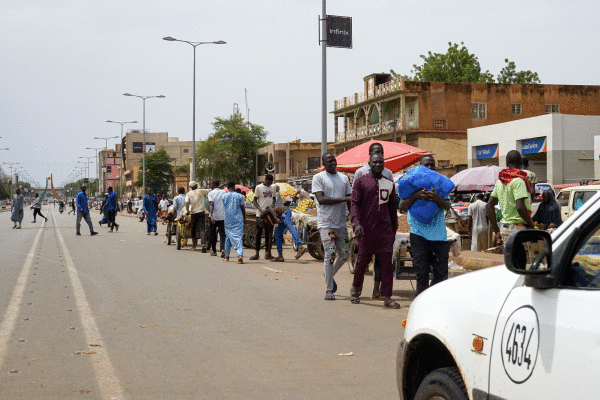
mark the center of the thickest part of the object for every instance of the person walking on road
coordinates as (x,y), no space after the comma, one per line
(265,196)
(374,218)
(179,202)
(83,212)
(333,193)
(235,218)
(513,194)
(104,211)
(194,205)
(477,220)
(112,206)
(37,208)
(150,208)
(429,241)
(217,218)
(282,216)
(73,208)
(16,215)
(163,205)
(374,148)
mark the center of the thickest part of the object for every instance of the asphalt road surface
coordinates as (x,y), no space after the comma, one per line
(124,316)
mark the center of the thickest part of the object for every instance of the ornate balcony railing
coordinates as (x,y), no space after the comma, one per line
(379,90)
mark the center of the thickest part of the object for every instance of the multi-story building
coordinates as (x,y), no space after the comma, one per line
(179,151)
(435,116)
(292,161)
(110,163)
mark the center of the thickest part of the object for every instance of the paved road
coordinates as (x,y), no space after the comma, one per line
(168,324)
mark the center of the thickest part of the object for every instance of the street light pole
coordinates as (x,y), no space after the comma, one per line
(194,45)
(10,165)
(97,163)
(122,155)
(144,135)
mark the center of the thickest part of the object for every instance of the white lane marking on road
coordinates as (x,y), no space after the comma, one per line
(12,311)
(108,382)
(271,269)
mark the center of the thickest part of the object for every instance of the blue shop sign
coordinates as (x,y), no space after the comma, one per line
(487,151)
(535,145)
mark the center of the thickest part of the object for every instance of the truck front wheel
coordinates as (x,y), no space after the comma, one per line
(442,384)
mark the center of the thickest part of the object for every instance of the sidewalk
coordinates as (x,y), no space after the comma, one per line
(474,260)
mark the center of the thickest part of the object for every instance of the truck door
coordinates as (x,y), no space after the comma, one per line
(546,343)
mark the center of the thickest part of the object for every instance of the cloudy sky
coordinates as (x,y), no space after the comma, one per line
(64,64)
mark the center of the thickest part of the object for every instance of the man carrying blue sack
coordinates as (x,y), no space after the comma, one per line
(428,240)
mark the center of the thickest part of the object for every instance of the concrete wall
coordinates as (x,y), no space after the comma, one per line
(570,143)
(597,157)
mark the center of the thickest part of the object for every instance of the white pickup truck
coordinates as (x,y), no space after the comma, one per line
(527,330)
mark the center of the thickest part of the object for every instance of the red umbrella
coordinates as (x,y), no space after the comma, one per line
(242,188)
(397,156)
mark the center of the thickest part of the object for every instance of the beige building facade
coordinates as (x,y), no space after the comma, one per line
(179,151)
(291,161)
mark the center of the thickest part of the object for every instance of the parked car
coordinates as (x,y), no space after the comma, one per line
(572,198)
(525,330)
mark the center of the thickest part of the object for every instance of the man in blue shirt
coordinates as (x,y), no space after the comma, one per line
(111,205)
(428,242)
(83,212)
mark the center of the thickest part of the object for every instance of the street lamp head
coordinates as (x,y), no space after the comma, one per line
(133,122)
(220,42)
(108,121)
(160,97)
(170,39)
(127,94)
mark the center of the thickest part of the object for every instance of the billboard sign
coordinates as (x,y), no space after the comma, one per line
(487,151)
(535,145)
(339,31)
(138,147)
(150,147)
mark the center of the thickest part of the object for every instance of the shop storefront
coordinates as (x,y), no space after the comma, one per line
(536,150)
(486,154)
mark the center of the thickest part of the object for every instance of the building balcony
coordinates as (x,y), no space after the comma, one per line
(376,129)
(379,91)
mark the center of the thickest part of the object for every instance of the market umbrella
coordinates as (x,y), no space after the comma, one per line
(242,188)
(397,156)
(478,179)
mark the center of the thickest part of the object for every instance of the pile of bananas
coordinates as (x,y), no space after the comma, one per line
(285,190)
(304,205)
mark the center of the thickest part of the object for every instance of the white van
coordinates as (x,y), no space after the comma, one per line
(572,198)
(527,330)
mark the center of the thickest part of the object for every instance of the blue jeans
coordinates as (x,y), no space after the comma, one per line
(286,222)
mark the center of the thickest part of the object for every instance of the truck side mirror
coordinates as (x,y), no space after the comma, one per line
(529,253)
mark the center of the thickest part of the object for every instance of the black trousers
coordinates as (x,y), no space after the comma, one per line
(112,215)
(38,211)
(429,255)
(268,236)
(199,223)
(220,225)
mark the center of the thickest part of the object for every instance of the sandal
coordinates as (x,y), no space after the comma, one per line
(329,296)
(392,304)
(300,252)
(278,259)
(254,257)
(355,300)
(226,259)
(240,260)
(378,296)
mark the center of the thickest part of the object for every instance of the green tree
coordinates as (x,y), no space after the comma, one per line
(159,172)
(456,65)
(508,74)
(230,152)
